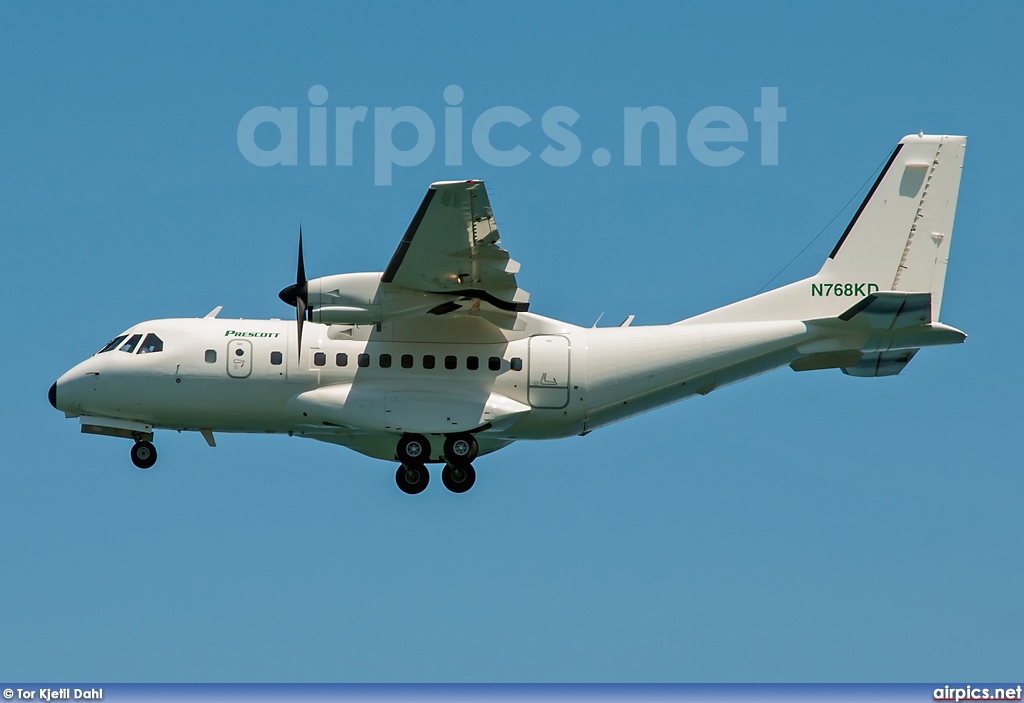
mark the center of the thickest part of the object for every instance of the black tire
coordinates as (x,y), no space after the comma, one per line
(460,448)
(413,449)
(412,478)
(458,478)
(143,454)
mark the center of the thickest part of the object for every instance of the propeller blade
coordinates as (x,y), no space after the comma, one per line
(297,294)
(300,316)
(300,273)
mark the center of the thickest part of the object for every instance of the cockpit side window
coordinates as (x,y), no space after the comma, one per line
(113,343)
(151,344)
(129,346)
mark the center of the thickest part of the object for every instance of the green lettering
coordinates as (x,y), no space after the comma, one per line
(859,289)
(815,289)
(870,286)
(828,288)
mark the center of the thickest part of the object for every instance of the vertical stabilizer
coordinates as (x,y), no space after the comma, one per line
(898,240)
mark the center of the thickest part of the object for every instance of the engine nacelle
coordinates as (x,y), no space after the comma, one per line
(361,299)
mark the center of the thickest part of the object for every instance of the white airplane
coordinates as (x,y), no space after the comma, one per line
(436,360)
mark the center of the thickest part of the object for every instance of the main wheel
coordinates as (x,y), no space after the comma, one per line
(413,449)
(458,478)
(143,454)
(412,478)
(460,448)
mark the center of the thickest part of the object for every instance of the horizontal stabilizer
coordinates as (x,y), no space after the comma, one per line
(881,364)
(891,310)
(827,360)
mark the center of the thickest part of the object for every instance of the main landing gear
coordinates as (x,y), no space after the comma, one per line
(143,454)
(458,475)
(412,478)
(458,478)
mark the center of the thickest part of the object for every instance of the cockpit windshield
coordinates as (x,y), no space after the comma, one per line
(151,344)
(129,346)
(112,344)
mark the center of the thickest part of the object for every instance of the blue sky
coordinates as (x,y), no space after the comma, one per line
(796,527)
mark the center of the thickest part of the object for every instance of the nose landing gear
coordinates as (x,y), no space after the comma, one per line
(143,454)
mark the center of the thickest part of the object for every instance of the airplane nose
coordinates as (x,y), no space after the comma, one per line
(52,395)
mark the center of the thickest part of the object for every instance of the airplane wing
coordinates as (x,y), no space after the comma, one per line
(451,246)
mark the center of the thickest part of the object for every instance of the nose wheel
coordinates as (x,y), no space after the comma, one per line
(143,454)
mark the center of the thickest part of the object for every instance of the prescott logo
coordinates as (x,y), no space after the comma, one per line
(715,135)
(233,333)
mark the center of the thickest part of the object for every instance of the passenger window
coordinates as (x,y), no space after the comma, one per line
(151,344)
(276,358)
(494,363)
(129,346)
(472,363)
(428,361)
(364,360)
(341,359)
(319,359)
(517,363)
(385,361)
(211,356)
(112,344)
(451,362)
(406,361)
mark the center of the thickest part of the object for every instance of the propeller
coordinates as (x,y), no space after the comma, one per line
(297,294)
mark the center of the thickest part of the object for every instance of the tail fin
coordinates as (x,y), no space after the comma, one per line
(899,238)
(897,241)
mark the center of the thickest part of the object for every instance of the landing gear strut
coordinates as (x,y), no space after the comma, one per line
(412,478)
(143,454)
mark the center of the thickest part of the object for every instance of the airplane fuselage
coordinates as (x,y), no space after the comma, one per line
(363,386)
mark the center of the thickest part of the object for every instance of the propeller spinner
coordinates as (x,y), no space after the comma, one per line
(297,294)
